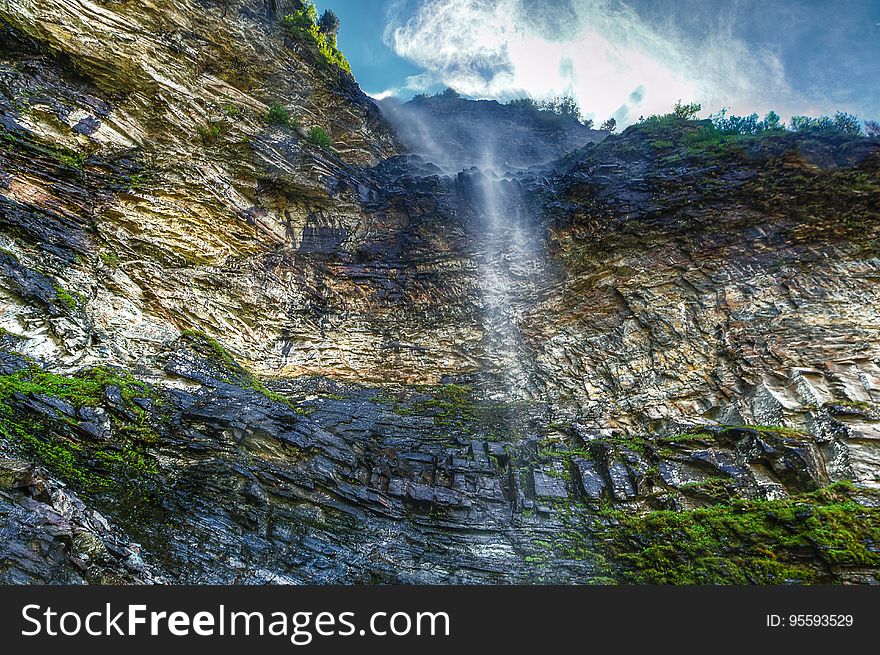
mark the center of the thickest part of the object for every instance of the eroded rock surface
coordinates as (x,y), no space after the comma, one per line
(232,353)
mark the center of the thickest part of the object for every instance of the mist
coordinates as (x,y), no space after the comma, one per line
(626,60)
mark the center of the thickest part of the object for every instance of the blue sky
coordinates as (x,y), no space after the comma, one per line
(623,58)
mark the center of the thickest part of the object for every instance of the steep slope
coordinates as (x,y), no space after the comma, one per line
(455,133)
(233,353)
(155,156)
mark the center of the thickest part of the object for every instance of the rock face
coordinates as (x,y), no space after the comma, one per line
(231,353)
(455,133)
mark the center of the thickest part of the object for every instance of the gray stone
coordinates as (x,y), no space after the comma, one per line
(15,474)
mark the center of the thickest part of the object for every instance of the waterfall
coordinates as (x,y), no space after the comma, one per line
(507,242)
(509,259)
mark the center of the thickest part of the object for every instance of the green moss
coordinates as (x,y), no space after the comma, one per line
(854,404)
(235,373)
(212,348)
(716,489)
(12,335)
(233,111)
(795,540)
(703,436)
(455,410)
(55,440)
(60,154)
(549,453)
(69,158)
(136,181)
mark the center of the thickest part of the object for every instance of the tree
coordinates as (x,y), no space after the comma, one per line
(687,111)
(772,121)
(563,106)
(847,124)
(329,23)
(609,126)
(842,123)
(523,103)
(872,129)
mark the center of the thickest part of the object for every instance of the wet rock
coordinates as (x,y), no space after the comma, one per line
(592,481)
(620,484)
(548,486)
(15,474)
(357,376)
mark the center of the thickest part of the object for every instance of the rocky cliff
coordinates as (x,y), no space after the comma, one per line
(254,331)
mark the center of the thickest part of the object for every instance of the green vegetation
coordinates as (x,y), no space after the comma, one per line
(556,111)
(794,540)
(278,115)
(66,299)
(716,488)
(724,128)
(232,371)
(69,158)
(454,410)
(210,132)
(746,124)
(304,26)
(567,454)
(680,112)
(110,259)
(706,436)
(319,137)
(841,123)
(53,437)
(233,111)
(60,154)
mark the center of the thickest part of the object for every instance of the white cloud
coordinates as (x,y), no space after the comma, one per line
(599,51)
(382,95)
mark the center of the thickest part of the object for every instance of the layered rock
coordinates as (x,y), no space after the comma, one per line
(234,354)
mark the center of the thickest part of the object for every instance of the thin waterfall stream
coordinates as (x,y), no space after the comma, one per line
(510,262)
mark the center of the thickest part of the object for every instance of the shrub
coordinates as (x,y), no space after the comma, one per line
(773,122)
(523,103)
(329,23)
(303,24)
(553,112)
(687,112)
(872,129)
(745,124)
(563,106)
(278,115)
(680,112)
(319,137)
(210,132)
(842,123)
